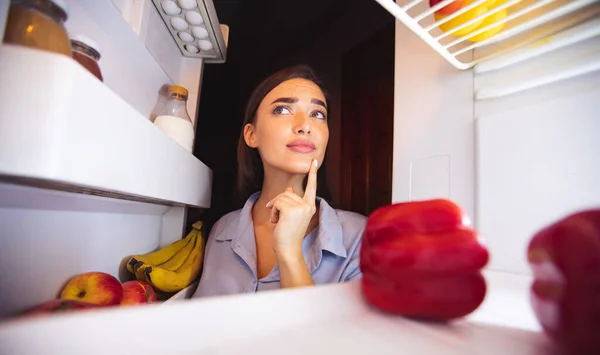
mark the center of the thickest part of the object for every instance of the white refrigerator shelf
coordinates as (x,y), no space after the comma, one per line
(331,319)
(472,34)
(63,129)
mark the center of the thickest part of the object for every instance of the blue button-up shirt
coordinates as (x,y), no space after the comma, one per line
(331,252)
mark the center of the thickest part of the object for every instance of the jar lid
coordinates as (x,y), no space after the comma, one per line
(85,40)
(178,90)
(62,4)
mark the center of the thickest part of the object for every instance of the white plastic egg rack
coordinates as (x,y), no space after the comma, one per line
(194,26)
(497,32)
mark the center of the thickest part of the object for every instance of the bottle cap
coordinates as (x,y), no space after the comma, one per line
(85,40)
(62,4)
(178,90)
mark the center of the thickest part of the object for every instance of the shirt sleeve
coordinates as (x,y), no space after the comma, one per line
(352,271)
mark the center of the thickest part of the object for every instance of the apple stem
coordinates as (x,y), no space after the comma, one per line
(81,294)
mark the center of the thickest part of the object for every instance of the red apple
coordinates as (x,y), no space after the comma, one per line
(98,288)
(58,305)
(448,9)
(137,292)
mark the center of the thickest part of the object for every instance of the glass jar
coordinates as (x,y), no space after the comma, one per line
(87,53)
(38,24)
(173,118)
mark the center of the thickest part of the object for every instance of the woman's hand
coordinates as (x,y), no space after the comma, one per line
(293,214)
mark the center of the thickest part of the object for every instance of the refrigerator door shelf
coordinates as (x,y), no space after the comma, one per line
(63,129)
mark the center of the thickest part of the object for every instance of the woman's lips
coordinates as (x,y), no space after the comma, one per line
(302,146)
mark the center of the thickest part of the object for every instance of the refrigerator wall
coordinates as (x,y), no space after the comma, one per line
(537,150)
(514,162)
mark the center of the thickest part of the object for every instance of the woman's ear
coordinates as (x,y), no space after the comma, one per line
(249,135)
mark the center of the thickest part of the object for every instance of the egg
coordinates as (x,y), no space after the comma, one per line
(178,23)
(194,18)
(191,48)
(205,45)
(199,32)
(188,4)
(170,7)
(186,37)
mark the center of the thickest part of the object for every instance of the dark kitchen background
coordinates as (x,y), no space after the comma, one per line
(350,45)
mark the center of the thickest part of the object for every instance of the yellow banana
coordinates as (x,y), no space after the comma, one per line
(198,226)
(173,281)
(139,270)
(181,256)
(159,256)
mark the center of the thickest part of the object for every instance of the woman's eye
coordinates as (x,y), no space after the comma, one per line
(281,110)
(319,115)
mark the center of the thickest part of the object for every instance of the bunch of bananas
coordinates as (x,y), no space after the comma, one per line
(173,267)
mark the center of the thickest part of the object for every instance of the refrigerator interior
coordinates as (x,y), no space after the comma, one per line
(514,146)
(514,160)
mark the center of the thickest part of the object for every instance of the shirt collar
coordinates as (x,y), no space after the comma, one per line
(329,235)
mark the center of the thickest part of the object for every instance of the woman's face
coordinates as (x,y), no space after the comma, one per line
(290,129)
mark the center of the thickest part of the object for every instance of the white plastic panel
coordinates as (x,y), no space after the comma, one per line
(70,131)
(537,152)
(433,119)
(430,178)
(332,319)
(27,197)
(43,248)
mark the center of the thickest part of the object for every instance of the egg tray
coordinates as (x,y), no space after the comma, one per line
(210,22)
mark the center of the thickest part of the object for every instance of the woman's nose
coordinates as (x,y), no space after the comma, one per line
(302,124)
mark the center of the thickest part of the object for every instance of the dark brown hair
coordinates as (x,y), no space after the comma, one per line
(250,168)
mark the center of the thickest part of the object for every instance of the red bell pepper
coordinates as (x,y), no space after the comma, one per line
(422,260)
(565,294)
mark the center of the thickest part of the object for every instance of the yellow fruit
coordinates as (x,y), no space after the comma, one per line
(179,258)
(157,257)
(173,281)
(493,18)
(463,18)
(162,255)
(140,271)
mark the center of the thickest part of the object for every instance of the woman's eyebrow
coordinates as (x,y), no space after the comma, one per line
(293,100)
(286,100)
(318,102)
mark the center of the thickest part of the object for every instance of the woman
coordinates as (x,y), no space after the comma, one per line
(284,236)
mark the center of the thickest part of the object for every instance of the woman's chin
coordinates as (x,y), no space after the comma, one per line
(297,166)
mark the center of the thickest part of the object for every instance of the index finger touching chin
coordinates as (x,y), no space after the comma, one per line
(310,194)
